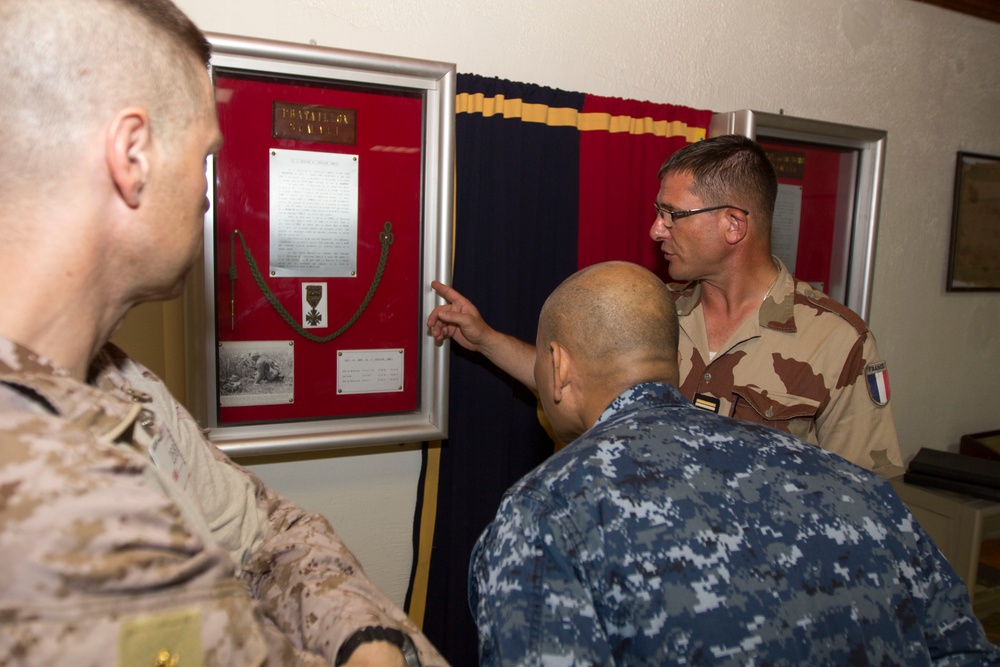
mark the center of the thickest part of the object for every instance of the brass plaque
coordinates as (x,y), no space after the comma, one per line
(787,164)
(312,122)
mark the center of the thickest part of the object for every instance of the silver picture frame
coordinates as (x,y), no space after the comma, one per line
(434,82)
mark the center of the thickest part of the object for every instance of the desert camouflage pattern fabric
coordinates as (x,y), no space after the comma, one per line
(801,366)
(111,559)
(671,536)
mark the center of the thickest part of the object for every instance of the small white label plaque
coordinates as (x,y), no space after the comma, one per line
(369,371)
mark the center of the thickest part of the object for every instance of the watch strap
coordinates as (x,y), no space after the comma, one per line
(375,633)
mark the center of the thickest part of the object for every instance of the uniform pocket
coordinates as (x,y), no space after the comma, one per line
(785,412)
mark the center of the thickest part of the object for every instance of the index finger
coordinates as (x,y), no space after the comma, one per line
(446,292)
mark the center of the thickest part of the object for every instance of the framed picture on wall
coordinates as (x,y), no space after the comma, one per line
(330,213)
(974,257)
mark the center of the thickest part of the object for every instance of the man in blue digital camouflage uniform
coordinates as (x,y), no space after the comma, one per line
(666,535)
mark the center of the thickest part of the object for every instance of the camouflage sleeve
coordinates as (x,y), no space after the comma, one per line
(101,569)
(954,635)
(308,581)
(853,424)
(524,585)
(311,584)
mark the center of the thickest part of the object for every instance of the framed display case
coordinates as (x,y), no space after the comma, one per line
(330,213)
(829,189)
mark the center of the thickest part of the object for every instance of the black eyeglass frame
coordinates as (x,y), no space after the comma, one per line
(677,215)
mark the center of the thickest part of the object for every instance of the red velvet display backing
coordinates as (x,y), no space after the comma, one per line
(389,149)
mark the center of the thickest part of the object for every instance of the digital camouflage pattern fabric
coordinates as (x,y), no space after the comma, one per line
(110,559)
(802,366)
(667,535)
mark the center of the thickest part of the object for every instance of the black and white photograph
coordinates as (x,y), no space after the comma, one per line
(256,372)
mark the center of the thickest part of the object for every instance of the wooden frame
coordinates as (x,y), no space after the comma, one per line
(984,9)
(974,254)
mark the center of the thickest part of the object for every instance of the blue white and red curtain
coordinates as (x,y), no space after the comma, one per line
(547,182)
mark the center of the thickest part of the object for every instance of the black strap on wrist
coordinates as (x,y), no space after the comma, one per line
(377,633)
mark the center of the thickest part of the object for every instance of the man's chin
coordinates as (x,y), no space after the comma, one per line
(168,292)
(677,274)
(565,437)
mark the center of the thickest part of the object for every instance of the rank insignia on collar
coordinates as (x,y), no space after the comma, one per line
(877,379)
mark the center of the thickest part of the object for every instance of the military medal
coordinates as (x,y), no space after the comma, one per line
(313,295)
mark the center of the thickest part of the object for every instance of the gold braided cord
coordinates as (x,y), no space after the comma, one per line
(385,238)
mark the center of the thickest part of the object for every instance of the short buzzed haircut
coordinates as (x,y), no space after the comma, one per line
(731,169)
(603,321)
(67,65)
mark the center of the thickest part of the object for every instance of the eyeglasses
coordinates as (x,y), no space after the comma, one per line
(674,216)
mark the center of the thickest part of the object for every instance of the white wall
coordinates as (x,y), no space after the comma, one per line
(926,75)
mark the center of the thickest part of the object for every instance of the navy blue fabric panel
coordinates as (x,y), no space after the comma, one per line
(515,240)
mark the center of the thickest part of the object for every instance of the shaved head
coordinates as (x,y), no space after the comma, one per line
(66,66)
(618,320)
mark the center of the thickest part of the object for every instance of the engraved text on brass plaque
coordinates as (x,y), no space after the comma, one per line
(311,122)
(787,164)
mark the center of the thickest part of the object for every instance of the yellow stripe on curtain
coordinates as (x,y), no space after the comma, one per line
(428,518)
(477,103)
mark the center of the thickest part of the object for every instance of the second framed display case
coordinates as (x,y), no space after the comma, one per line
(829,189)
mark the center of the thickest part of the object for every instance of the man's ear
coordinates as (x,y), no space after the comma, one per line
(127,146)
(561,363)
(736,226)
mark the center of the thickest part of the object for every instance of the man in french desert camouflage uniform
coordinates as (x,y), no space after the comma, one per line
(664,535)
(127,538)
(755,343)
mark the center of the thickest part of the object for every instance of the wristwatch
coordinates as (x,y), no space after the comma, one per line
(376,633)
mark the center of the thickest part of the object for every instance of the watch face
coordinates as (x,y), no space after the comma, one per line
(410,652)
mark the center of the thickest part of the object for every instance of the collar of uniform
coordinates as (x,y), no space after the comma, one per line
(686,296)
(644,394)
(106,414)
(776,312)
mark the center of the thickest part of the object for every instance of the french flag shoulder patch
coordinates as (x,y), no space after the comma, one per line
(877,378)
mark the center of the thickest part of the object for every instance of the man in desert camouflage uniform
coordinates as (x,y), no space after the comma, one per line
(664,535)
(127,538)
(756,344)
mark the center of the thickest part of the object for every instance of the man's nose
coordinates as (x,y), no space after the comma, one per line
(659,229)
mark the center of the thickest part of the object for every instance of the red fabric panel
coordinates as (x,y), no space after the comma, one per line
(389,190)
(618,182)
